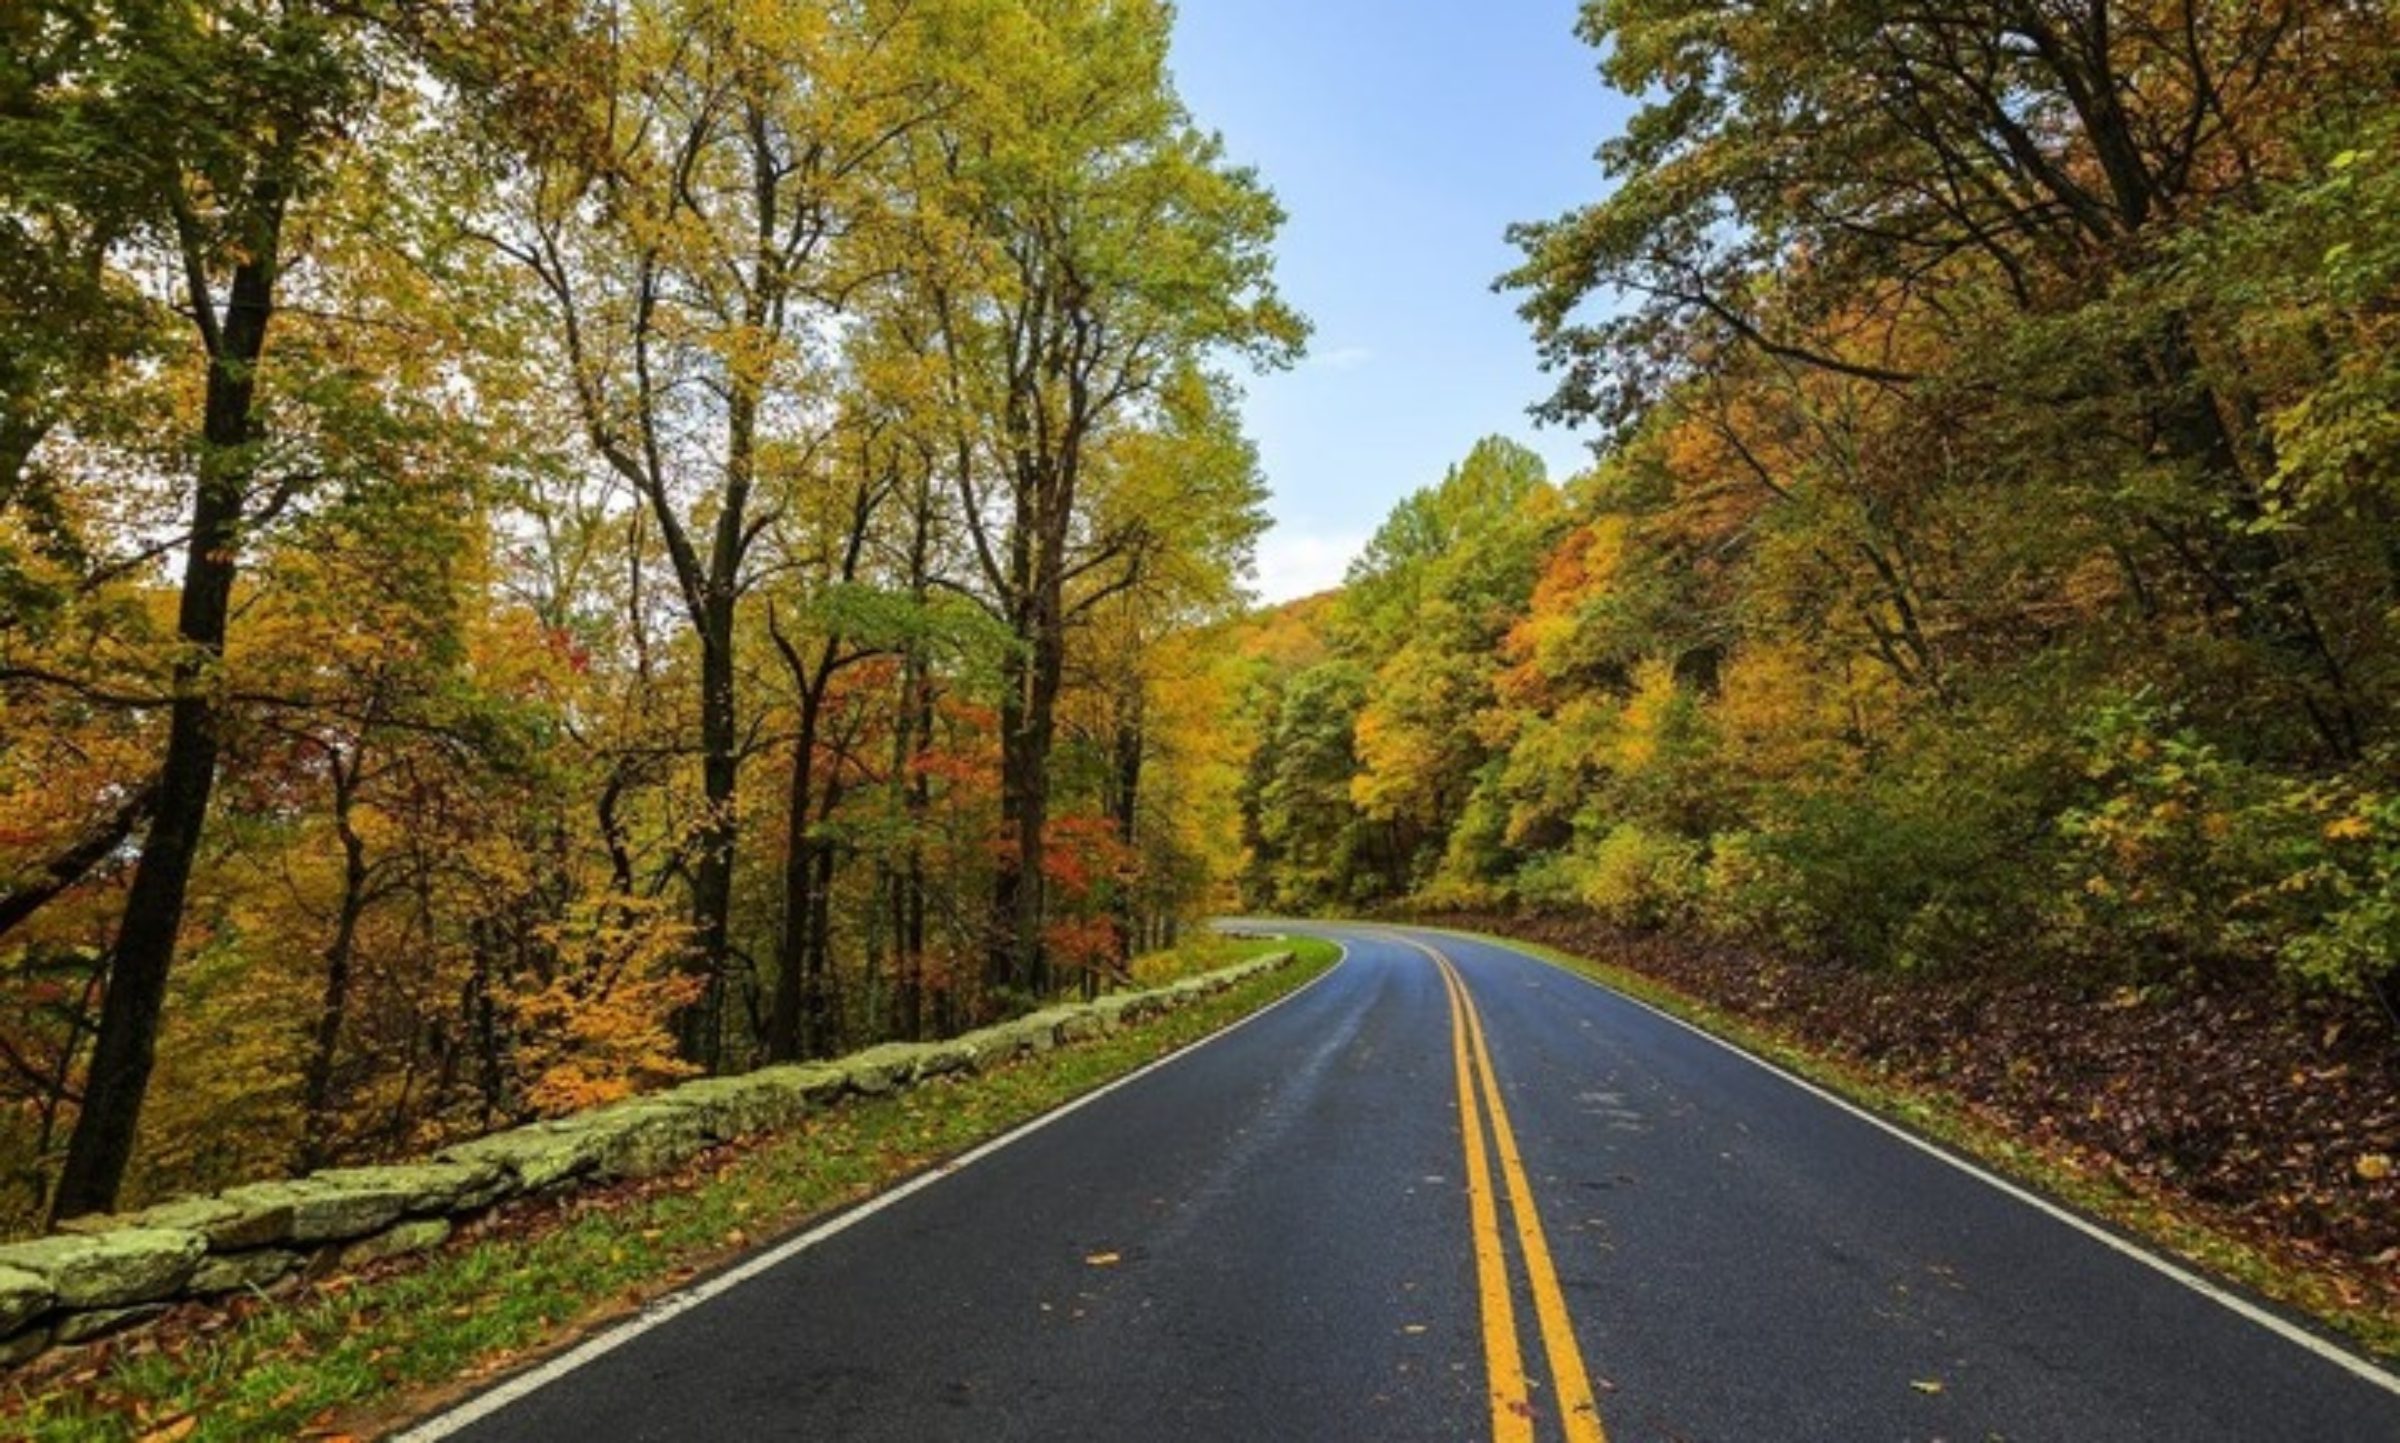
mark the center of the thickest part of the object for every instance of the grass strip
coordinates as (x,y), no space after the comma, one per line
(2086,1182)
(354,1355)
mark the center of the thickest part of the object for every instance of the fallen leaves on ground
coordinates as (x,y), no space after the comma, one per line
(2275,1119)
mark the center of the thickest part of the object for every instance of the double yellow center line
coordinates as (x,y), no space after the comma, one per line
(1479,1097)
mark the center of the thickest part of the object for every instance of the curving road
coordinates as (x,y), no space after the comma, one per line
(1287,1234)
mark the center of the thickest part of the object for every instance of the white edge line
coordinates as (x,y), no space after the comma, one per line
(2290,1332)
(665,1309)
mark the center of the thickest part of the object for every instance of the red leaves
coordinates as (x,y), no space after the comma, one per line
(1082,852)
(567,647)
(978,769)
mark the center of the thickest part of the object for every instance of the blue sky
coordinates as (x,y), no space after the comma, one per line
(1402,137)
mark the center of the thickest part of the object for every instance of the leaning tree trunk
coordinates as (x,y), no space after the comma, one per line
(105,1126)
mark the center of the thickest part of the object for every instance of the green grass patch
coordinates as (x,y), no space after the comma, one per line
(358,1349)
(2085,1182)
(1201,954)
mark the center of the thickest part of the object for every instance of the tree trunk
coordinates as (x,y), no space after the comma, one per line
(821,1016)
(333,1008)
(712,870)
(1127,747)
(1002,965)
(1028,726)
(908,903)
(122,1055)
(1027,743)
(2273,610)
(483,1024)
(784,1022)
(799,1018)
(716,588)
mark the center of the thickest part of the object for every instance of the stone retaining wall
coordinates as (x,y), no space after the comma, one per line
(104,1274)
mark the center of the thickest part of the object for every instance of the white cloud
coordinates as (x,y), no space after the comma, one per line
(1298,563)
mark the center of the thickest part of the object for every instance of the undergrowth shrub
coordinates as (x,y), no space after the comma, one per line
(1928,865)
(2182,854)
(1641,877)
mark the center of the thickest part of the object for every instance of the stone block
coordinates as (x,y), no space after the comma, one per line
(884,1068)
(540,1156)
(100,1322)
(232,1272)
(1080,1024)
(328,1206)
(422,1187)
(108,1270)
(24,1296)
(734,1107)
(940,1059)
(988,1046)
(641,1137)
(412,1236)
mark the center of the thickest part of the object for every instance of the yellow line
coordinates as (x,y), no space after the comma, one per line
(1512,1409)
(1578,1409)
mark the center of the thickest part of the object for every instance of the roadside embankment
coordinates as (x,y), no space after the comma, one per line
(2249,1134)
(105,1275)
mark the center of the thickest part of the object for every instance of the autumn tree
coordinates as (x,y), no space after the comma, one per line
(1872,191)
(446,451)
(1425,606)
(840,620)
(682,225)
(1968,572)
(1094,245)
(208,130)
(1191,481)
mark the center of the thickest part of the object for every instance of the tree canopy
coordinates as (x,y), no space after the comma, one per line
(545,547)
(1988,558)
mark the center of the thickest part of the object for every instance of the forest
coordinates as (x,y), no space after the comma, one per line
(1991,561)
(548,546)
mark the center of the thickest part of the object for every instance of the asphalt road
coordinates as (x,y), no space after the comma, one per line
(1285,1234)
